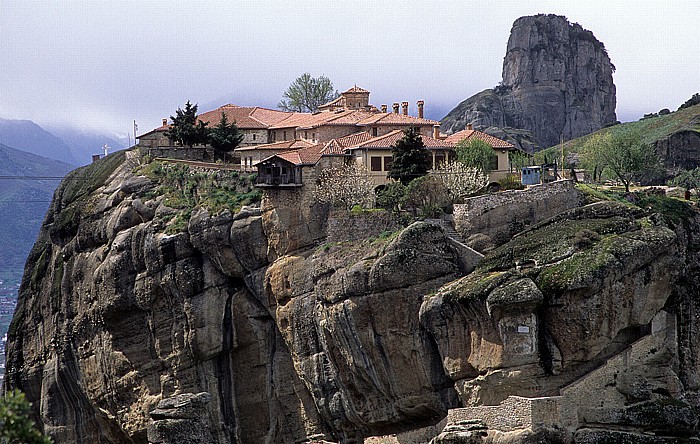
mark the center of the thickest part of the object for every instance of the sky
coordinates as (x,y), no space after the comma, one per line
(101,64)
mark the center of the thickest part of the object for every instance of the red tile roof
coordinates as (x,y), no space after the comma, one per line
(395,119)
(361,118)
(305,156)
(495,142)
(277,146)
(246,117)
(338,146)
(356,89)
(390,139)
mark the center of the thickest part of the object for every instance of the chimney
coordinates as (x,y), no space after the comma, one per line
(469,126)
(384,108)
(420,109)
(165,122)
(404,108)
(395,106)
(436,131)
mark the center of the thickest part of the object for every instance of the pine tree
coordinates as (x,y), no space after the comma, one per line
(225,136)
(410,157)
(186,129)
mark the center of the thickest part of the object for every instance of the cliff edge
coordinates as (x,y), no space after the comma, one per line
(261,325)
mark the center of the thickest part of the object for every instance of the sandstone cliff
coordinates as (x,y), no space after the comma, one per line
(258,327)
(557,81)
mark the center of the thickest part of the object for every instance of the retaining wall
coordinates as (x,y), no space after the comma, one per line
(502,215)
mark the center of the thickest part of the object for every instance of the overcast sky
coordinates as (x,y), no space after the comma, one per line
(101,64)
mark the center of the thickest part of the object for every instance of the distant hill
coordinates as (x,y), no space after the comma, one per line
(676,137)
(23,202)
(27,136)
(85,143)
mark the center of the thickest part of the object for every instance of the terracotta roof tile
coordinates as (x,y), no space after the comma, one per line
(277,146)
(356,89)
(395,119)
(495,142)
(339,145)
(246,117)
(305,156)
(389,139)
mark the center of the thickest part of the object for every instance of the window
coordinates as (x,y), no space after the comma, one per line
(284,135)
(374,131)
(313,136)
(254,136)
(375,163)
(284,171)
(306,134)
(388,160)
(439,158)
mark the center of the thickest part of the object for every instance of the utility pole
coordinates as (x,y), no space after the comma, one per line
(136,128)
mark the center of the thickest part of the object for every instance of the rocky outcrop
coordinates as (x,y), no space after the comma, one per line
(557,82)
(253,327)
(680,149)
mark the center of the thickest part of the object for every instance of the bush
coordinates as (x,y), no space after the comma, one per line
(15,425)
(511,182)
(428,196)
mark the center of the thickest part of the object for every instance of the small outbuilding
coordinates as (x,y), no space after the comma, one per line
(276,171)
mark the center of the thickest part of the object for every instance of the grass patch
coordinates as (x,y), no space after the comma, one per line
(185,188)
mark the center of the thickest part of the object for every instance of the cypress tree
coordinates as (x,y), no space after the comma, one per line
(410,157)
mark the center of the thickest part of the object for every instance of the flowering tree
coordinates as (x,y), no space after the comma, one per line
(459,179)
(346,186)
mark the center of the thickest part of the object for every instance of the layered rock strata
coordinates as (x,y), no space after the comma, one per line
(253,327)
(557,83)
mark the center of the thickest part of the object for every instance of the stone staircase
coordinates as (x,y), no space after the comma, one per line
(447,224)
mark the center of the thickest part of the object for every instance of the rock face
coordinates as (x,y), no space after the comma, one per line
(557,81)
(253,328)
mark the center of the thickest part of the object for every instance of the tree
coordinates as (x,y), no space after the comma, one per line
(410,158)
(692,101)
(624,154)
(186,129)
(392,196)
(346,186)
(307,93)
(478,154)
(428,196)
(15,425)
(459,179)
(688,179)
(225,136)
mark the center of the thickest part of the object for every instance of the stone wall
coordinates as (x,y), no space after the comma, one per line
(515,413)
(502,215)
(344,226)
(197,153)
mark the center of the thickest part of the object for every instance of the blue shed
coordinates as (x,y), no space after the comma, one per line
(531,175)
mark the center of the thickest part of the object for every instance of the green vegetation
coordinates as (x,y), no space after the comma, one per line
(694,100)
(225,136)
(410,157)
(185,188)
(688,179)
(476,153)
(307,93)
(623,154)
(15,425)
(73,196)
(186,129)
(650,130)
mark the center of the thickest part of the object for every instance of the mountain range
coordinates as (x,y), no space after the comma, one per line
(70,145)
(24,200)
